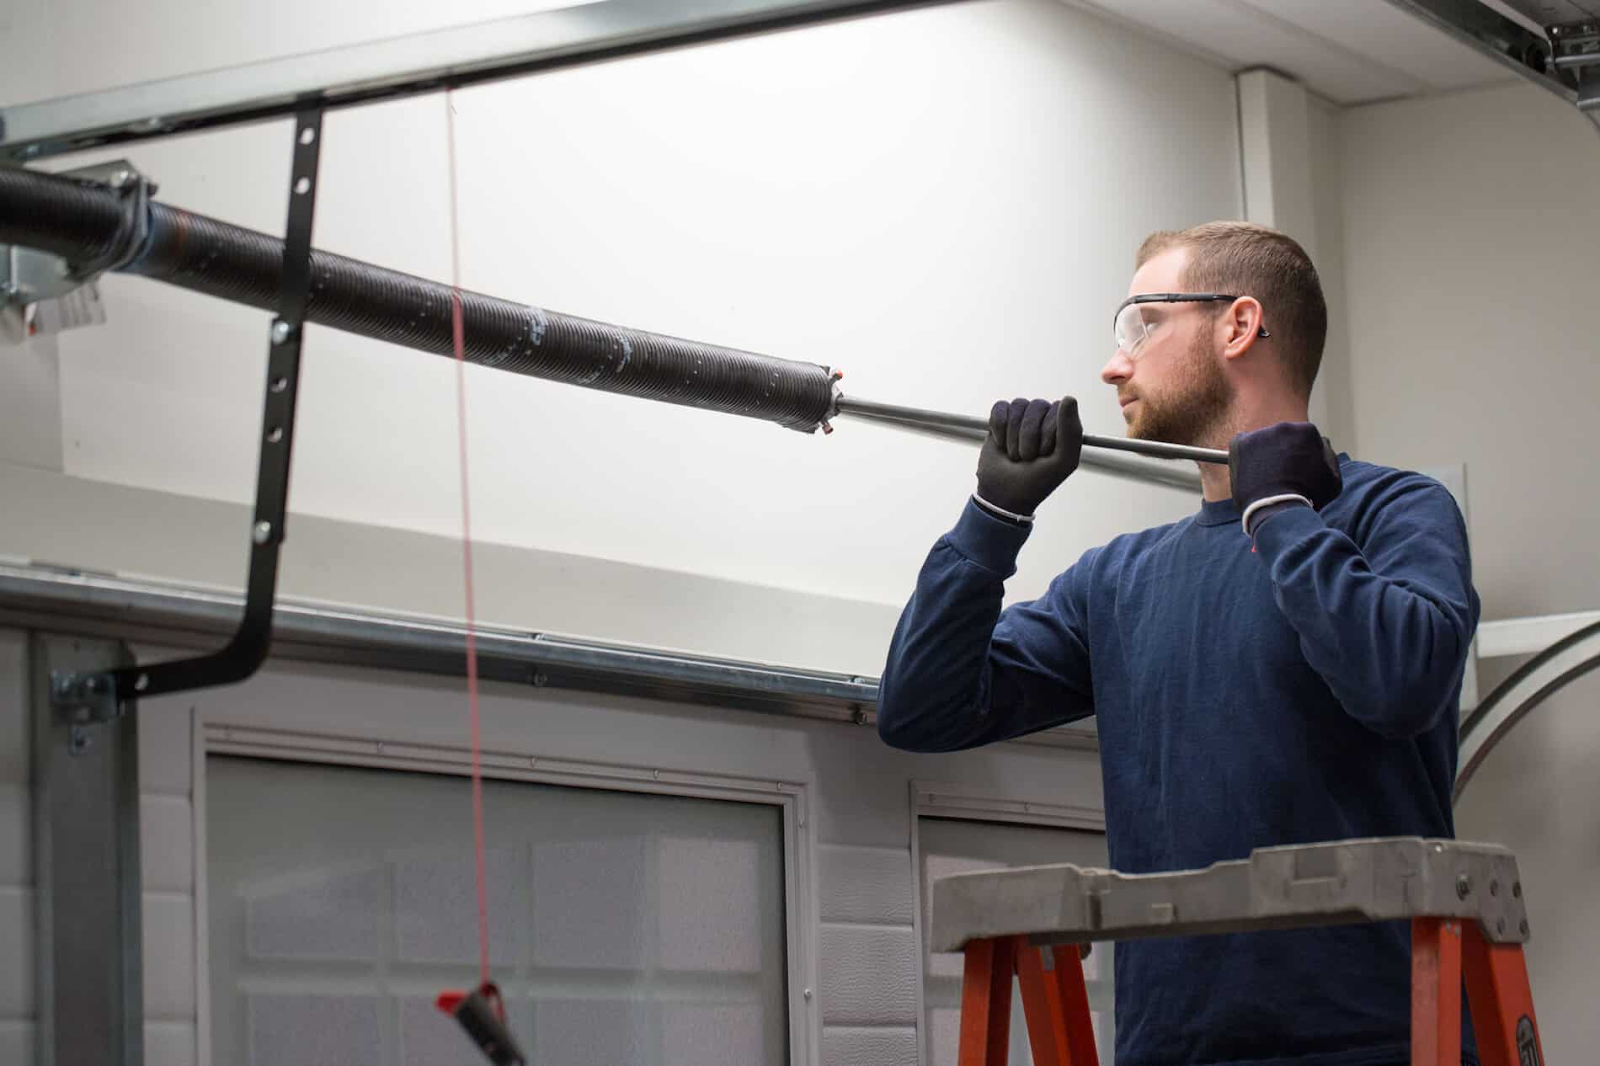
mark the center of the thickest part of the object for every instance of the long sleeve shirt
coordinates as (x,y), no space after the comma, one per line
(1298,689)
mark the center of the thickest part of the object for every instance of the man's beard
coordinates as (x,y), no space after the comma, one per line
(1193,404)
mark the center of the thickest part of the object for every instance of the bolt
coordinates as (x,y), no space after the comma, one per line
(79,741)
(540,680)
(1463,886)
(121,178)
(262,532)
(280,331)
(807,993)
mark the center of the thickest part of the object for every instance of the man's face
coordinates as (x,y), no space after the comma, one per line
(1172,387)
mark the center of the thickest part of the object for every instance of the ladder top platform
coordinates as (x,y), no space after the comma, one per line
(1339,882)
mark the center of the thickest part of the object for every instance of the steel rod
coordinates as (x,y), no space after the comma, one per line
(977,428)
(1125,467)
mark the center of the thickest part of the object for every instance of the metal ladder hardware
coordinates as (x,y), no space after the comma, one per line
(1464,902)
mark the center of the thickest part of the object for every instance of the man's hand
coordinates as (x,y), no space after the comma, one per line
(1033,445)
(1286,465)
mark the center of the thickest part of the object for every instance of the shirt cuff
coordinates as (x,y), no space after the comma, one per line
(1283,529)
(990,542)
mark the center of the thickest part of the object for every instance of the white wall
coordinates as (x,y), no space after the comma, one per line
(944,202)
(858,805)
(1290,156)
(1470,228)
(1335,404)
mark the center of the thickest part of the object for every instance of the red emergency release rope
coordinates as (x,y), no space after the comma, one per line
(466,545)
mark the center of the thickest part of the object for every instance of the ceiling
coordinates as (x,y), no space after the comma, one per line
(1349,51)
(1546,12)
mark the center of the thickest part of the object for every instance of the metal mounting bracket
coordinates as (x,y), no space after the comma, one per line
(97,697)
(40,292)
(1575,57)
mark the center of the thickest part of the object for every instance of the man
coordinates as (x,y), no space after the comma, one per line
(1283,666)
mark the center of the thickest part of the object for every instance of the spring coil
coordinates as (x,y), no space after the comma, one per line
(80,221)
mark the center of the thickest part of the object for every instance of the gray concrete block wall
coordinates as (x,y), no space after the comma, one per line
(868,966)
(167,869)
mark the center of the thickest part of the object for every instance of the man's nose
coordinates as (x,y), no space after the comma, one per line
(1118,369)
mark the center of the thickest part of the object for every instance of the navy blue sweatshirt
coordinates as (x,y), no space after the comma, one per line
(1300,689)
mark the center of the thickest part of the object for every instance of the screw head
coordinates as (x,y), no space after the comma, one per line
(121,178)
(261,532)
(1463,886)
(280,331)
(540,680)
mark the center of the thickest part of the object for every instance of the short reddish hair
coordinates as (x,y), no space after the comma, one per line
(1245,259)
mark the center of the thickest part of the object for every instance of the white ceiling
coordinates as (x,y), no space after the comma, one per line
(1349,51)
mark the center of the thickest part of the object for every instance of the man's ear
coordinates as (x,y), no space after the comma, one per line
(1241,326)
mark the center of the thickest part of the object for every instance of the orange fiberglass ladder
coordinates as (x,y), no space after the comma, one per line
(1464,902)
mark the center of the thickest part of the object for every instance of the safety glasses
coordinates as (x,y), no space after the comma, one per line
(1139,316)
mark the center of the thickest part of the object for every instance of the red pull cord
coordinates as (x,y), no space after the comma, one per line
(466,545)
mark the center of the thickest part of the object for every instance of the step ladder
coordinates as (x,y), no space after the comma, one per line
(1464,902)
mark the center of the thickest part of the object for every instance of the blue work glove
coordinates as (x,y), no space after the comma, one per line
(1286,465)
(1032,447)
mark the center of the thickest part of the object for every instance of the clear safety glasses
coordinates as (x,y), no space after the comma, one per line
(1140,316)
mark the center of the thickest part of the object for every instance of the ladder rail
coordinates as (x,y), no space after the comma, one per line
(1464,901)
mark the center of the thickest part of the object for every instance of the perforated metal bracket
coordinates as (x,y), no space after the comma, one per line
(94,697)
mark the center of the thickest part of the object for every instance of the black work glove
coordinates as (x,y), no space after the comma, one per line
(1031,448)
(1286,465)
